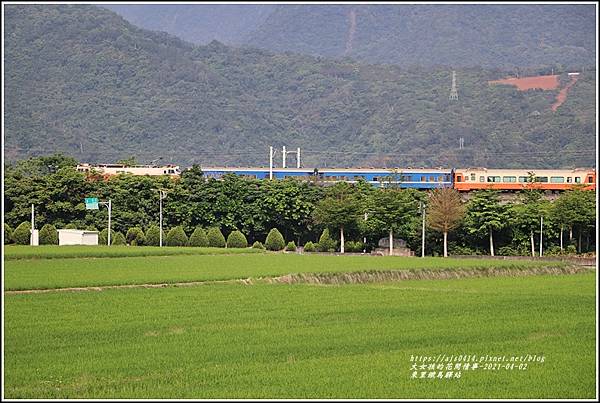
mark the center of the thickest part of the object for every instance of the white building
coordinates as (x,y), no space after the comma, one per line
(77,237)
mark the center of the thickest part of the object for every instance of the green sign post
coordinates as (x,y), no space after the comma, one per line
(91,203)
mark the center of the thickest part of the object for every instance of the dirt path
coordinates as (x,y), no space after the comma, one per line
(351,31)
(562,95)
(549,82)
(342,278)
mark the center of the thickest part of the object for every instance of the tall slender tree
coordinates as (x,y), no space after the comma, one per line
(338,210)
(485,215)
(390,210)
(445,211)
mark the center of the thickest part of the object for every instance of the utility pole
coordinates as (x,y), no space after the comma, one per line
(161,196)
(109,205)
(541,233)
(298,158)
(364,238)
(109,214)
(34,239)
(422,208)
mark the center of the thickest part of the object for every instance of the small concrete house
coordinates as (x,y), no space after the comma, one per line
(77,237)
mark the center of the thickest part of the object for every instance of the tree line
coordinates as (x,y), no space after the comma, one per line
(200,211)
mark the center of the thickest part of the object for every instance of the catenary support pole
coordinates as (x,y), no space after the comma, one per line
(284,155)
(298,158)
(271,162)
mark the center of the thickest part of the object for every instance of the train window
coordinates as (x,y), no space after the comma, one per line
(493,179)
(375,178)
(509,179)
(432,179)
(481,179)
(405,178)
(423,179)
(171,171)
(522,179)
(590,179)
(557,179)
(569,179)
(459,178)
(543,179)
(472,178)
(578,179)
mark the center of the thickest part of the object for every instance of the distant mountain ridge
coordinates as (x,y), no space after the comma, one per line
(197,23)
(460,35)
(81,80)
(503,36)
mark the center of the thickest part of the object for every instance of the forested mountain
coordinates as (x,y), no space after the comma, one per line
(459,35)
(81,80)
(197,23)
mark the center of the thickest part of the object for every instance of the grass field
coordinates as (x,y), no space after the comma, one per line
(230,340)
(302,341)
(24,274)
(13,252)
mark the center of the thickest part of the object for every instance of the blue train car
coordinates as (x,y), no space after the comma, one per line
(403,178)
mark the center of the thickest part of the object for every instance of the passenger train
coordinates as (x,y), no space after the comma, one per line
(461,179)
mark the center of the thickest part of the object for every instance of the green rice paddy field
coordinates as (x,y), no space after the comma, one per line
(292,341)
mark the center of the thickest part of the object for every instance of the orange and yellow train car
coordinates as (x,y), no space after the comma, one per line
(469,179)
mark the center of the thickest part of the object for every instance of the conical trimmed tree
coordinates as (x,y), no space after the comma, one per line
(237,240)
(22,234)
(274,240)
(48,235)
(118,239)
(177,237)
(198,238)
(215,238)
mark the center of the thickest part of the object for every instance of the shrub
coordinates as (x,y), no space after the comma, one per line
(70,226)
(570,249)
(508,251)
(176,237)
(135,236)
(7,234)
(118,239)
(291,246)
(274,240)
(198,238)
(91,228)
(258,245)
(103,236)
(48,235)
(462,250)
(22,234)
(309,247)
(553,251)
(153,236)
(215,238)
(354,246)
(237,240)
(326,244)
